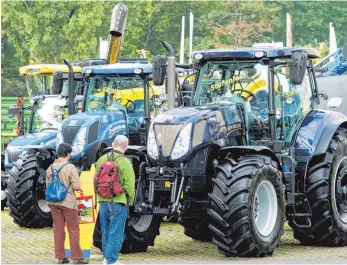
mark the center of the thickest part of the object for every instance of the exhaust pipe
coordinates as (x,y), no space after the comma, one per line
(171,75)
(71,94)
(118,21)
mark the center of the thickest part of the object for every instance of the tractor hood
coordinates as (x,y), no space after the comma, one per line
(182,131)
(18,146)
(39,138)
(84,129)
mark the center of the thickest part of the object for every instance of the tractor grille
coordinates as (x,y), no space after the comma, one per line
(12,156)
(166,135)
(69,133)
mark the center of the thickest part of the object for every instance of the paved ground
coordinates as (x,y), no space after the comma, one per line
(20,245)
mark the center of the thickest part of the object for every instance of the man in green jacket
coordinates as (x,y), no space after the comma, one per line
(113,217)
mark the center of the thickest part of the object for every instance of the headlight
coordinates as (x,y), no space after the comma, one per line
(138,71)
(79,142)
(152,147)
(32,101)
(181,146)
(198,56)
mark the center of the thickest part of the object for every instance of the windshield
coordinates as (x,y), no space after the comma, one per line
(225,82)
(247,82)
(48,113)
(108,92)
(38,85)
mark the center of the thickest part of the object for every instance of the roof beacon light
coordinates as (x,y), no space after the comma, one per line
(138,71)
(198,56)
(259,54)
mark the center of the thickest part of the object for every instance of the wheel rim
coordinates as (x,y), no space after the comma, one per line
(3,195)
(40,196)
(141,223)
(43,205)
(341,190)
(265,208)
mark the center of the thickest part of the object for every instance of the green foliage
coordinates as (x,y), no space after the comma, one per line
(49,31)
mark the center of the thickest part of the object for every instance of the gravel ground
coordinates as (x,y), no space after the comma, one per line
(21,245)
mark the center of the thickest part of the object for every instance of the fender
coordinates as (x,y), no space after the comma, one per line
(248,149)
(316,132)
(137,152)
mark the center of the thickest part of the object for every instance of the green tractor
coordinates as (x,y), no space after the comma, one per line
(241,156)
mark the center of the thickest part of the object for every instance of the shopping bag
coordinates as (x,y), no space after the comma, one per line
(86,224)
(85,206)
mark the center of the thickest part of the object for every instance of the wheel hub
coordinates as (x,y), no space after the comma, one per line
(44,206)
(3,195)
(141,223)
(341,190)
(265,208)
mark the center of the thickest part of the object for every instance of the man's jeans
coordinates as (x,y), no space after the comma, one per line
(112,220)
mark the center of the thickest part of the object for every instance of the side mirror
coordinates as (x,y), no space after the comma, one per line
(323,95)
(57,82)
(159,70)
(12,111)
(298,68)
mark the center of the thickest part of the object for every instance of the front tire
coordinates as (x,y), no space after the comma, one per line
(26,194)
(326,191)
(140,233)
(3,194)
(247,206)
(196,226)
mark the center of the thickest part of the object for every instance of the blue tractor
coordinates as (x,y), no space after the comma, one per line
(235,163)
(118,100)
(22,184)
(48,107)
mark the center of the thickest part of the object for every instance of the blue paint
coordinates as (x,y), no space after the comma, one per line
(286,169)
(316,124)
(26,142)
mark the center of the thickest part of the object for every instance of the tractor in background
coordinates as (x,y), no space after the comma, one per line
(334,64)
(234,163)
(47,89)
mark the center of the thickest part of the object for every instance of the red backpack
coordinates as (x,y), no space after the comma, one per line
(107,179)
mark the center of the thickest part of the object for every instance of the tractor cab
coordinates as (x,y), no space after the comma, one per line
(116,100)
(244,75)
(39,78)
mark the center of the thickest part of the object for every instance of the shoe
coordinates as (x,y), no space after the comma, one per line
(80,261)
(104,262)
(63,261)
(118,263)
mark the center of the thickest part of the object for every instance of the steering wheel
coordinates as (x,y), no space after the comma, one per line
(242,91)
(130,105)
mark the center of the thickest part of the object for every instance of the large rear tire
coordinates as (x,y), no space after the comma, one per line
(247,206)
(140,233)
(196,226)
(26,194)
(326,192)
